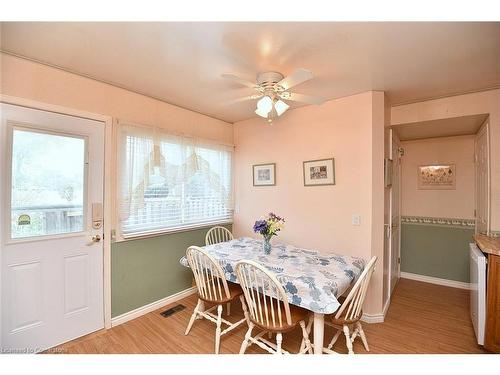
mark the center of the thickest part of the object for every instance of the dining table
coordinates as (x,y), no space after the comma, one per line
(311,279)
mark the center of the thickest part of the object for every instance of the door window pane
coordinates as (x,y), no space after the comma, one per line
(47,184)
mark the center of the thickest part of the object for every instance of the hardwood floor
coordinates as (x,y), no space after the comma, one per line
(422,318)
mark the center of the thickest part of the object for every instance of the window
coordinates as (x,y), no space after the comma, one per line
(169,182)
(47,189)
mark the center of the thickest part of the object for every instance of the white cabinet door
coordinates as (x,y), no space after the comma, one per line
(482,183)
(52,255)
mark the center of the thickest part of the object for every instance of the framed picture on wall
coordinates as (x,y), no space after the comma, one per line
(436,177)
(319,172)
(264,174)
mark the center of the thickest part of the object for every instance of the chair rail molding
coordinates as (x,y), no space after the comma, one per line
(441,221)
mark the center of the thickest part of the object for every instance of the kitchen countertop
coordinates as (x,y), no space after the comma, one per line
(487,244)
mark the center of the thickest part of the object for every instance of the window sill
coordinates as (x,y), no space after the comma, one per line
(162,232)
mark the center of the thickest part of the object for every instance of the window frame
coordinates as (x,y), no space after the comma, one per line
(166,231)
(117,233)
(13,126)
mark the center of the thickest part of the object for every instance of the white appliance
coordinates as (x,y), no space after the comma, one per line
(478,291)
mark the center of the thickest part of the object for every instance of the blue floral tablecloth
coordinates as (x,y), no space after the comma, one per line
(311,280)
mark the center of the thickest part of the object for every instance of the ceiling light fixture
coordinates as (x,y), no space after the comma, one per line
(272,89)
(265,105)
(270,108)
(281,107)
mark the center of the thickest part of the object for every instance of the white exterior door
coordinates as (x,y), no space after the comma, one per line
(482,183)
(52,252)
(395,231)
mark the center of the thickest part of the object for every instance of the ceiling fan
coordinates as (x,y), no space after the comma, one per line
(273,91)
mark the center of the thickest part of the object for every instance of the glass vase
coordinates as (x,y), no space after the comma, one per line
(266,245)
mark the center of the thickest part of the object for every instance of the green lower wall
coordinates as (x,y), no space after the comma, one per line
(146,270)
(437,251)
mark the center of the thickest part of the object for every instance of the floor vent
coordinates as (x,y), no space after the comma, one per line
(172,310)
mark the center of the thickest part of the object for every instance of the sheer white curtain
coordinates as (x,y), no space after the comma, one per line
(168,182)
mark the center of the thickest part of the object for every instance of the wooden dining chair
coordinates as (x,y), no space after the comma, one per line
(218,235)
(212,288)
(347,318)
(267,308)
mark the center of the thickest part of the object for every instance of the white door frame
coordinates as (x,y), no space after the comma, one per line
(485,127)
(391,203)
(108,186)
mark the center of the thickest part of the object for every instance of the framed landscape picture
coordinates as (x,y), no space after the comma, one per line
(319,172)
(436,177)
(264,174)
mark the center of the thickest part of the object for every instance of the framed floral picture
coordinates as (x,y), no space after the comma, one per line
(319,172)
(436,177)
(264,174)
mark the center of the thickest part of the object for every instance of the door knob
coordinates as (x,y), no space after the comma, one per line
(96,238)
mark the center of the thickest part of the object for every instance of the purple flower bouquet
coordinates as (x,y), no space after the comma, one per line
(269,227)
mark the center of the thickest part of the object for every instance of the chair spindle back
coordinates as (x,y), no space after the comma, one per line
(208,275)
(266,299)
(356,297)
(218,235)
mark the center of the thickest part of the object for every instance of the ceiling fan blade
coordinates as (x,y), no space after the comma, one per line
(305,98)
(243,99)
(239,80)
(296,78)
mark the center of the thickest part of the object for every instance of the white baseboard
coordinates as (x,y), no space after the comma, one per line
(435,280)
(372,318)
(151,306)
(377,318)
(386,306)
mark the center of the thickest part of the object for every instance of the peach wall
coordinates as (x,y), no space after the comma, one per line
(30,80)
(375,301)
(318,217)
(458,203)
(348,129)
(463,105)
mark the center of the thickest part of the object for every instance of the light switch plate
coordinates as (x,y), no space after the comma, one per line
(356,220)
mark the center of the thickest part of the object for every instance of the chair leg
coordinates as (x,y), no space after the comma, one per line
(305,339)
(217,331)
(310,323)
(363,336)
(228,307)
(348,339)
(279,340)
(193,317)
(201,308)
(308,329)
(245,310)
(354,334)
(244,344)
(334,339)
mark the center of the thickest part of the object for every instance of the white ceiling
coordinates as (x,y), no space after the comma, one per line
(447,127)
(181,63)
